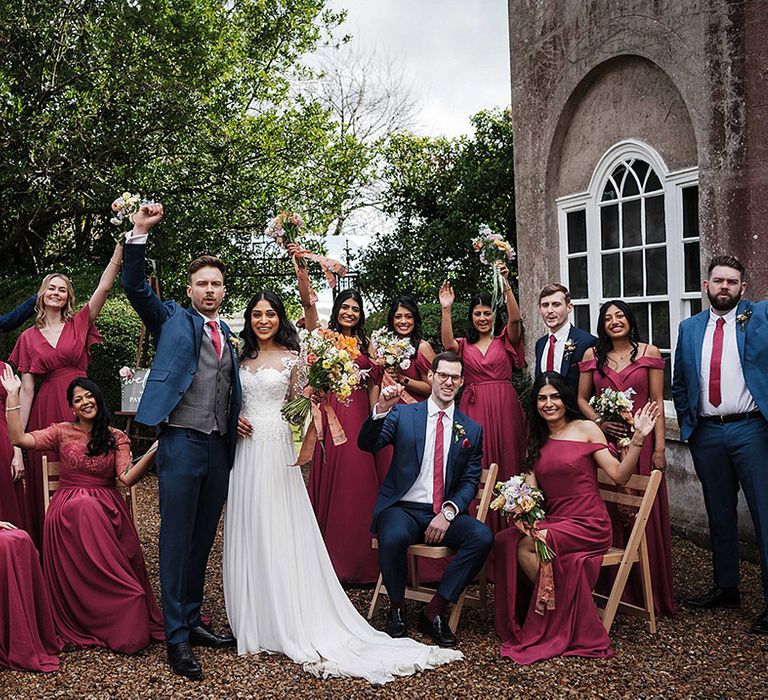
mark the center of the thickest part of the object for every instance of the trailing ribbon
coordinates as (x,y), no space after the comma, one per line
(329,265)
(545,590)
(315,429)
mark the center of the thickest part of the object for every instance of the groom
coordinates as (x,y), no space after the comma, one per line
(425,496)
(192,396)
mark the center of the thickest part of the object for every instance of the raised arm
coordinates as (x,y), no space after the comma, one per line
(447,297)
(13,319)
(107,279)
(12,385)
(378,432)
(311,320)
(514,321)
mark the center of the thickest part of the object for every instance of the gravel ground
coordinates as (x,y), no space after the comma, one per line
(696,654)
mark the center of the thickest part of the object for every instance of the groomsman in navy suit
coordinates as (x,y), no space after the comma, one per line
(192,396)
(13,319)
(563,347)
(425,496)
(720,389)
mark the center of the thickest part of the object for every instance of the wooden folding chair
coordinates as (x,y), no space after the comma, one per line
(635,551)
(416,591)
(51,483)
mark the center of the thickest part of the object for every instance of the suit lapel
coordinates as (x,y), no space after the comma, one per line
(197,322)
(540,343)
(741,334)
(698,341)
(458,419)
(565,365)
(420,432)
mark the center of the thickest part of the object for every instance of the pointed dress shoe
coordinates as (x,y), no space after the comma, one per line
(760,625)
(204,636)
(183,662)
(396,624)
(438,629)
(716,597)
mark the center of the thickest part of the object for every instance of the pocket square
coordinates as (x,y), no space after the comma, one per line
(466,443)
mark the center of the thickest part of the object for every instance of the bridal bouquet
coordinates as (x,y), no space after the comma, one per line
(392,350)
(125,206)
(493,249)
(615,406)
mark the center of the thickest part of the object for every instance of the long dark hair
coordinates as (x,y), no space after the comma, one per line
(604,343)
(102,440)
(483,299)
(410,304)
(359,330)
(538,430)
(286,336)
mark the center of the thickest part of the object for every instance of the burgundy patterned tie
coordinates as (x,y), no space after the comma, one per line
(551,354)
(215,337)
(715,361)
(438,487)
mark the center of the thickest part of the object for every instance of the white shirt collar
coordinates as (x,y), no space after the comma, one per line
(730,317)
(206,319)
(433,409)
(562,335)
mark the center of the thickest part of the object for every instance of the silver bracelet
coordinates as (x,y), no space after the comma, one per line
(117,264)
(14,408)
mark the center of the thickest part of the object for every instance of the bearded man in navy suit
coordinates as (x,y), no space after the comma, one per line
(720,389)
(563,347)
(192,397)
(425,496)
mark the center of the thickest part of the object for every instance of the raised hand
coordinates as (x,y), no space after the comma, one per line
(147,216)
(389,396)
(503,269)
(7,526)
(446,295)
(11,383)
(645,418)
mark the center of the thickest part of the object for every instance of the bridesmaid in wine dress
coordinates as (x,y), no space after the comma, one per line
(92,558)
(343,484)
(54,351)
(489,397)
(620,361)
(564,453)
(404,320)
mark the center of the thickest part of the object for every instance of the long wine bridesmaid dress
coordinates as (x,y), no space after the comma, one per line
(55,368)
(13,501)
(579,532)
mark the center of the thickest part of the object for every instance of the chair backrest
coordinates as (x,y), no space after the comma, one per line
(51,483)
(646,488)
(485,491)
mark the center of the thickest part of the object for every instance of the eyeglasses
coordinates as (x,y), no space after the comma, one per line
(444,377)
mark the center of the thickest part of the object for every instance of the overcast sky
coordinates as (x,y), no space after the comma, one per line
(454,52)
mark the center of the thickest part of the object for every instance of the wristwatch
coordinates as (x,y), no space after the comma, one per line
(449,513)
(406,381)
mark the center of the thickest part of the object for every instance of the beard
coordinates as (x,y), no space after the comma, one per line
(721,304)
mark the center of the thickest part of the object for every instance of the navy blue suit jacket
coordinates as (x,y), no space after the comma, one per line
(177,333)
(570,365)
(752,341)
(13,319)
(405,427)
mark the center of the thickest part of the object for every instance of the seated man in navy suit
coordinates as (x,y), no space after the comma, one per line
(563,347)
(720,388)
(425,496)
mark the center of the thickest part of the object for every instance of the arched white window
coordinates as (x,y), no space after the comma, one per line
(634,235)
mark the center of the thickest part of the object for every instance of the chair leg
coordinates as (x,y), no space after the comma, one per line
(413,570)
(645,569)
(133,503)
(376,594)
(453,620)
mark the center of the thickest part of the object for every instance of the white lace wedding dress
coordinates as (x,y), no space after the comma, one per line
(281,592)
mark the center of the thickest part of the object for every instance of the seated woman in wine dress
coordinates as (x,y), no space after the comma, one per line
(93,563)
(564,453)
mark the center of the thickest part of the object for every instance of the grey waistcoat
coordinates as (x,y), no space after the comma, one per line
(205,405)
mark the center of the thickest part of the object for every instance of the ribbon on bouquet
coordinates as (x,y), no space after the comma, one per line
(386,381)
(329,265)
(315,429)
(545,590)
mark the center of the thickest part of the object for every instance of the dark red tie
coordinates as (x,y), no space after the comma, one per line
(438,487)
(714,364)
(215,337)
(551,354)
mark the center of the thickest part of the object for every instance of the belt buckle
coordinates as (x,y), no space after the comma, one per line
(721,419)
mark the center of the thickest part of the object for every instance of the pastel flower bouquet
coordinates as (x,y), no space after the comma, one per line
(615,406)
(493,249)
(392,350)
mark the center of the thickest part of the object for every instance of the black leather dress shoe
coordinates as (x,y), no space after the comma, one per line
(396,624)
(204,636)
(760,625)
(716,597)
(438,629)
(183,661)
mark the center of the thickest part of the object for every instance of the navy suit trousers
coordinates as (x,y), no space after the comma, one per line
(727,456)
(404,524)
(193,475)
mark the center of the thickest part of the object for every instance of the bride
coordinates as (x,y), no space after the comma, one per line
(281,592)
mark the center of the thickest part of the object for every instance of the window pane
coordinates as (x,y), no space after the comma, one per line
(660,319)
(692,263)
(633,273)
(695,306)
(641,168)
(691,212)
(630,223)
(640,312)
(656,270)
(630,185)
(577,231)
(609,193)
(653,182)
(611,276)
(577,277)
(655,229)
(581,317)
(609,227)
(667,376)
(618,173)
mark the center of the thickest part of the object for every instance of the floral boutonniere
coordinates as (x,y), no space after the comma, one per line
(234,341)
(743,319)
(458,432)
(569,347)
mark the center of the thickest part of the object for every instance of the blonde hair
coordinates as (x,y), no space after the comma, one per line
(67,312)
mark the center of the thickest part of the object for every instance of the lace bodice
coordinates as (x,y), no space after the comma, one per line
(267,382)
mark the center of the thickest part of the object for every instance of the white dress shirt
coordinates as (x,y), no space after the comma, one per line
(734,394)
(560,339)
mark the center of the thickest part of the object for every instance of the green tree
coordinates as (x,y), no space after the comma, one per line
(440,191)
